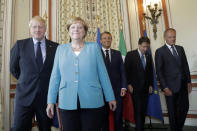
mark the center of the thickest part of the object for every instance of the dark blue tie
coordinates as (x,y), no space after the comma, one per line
(174,53)
(107,59)
(39,59)
(143,61)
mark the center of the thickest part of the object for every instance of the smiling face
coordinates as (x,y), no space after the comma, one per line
(106,40)
(37,29)
(77,31)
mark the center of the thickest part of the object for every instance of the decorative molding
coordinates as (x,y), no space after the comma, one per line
(193,76)
(140,14)
(36,6)
(165,13)
(50,19)
(188,115)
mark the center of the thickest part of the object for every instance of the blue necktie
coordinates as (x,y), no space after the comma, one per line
(174,53)
(143,61)
(39,59)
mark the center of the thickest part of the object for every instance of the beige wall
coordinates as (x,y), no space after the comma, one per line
(22,13)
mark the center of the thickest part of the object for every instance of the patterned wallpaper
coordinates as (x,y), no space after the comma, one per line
(97,13)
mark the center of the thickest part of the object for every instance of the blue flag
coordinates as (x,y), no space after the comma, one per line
(98,37)
(154,103)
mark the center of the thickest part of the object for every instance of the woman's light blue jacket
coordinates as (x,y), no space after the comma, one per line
(84,76)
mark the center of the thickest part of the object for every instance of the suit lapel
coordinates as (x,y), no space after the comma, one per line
(147,60)
(169,54)
(48,50)
(112,56)
(138,59)
(103,56)
(30,50)
(178,50)
(103,53)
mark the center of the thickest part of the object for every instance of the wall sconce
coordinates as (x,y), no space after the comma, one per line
(155,13)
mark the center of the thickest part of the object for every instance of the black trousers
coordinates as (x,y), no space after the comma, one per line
(140,101)
(82,119)
(178,106)
(23,116)
(117,116)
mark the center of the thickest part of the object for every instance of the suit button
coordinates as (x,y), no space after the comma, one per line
(76,73)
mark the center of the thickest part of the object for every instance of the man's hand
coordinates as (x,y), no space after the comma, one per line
(167,92)
(189,87)
(123,92)
(50,110)
(112,105)
(150,89)
(130,88)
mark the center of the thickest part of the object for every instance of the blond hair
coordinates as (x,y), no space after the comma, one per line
(37,18)
(76,20)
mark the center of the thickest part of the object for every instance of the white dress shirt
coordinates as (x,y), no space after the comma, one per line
(140,53)
(104,50)
(42,46)
(170,48)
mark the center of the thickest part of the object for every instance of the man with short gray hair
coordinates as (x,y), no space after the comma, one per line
(174,76)
(31,62)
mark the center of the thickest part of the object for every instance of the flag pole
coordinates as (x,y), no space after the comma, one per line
(150,126)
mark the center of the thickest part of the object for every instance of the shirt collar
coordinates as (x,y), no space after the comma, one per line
(42,41)
(169,46)
(105,49)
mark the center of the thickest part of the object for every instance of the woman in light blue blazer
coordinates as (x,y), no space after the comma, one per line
(79,78)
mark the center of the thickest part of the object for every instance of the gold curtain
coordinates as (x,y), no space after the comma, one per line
(104,14)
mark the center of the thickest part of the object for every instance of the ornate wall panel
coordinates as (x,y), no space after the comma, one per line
(105,14)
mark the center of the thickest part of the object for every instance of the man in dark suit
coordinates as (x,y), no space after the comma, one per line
(139,74)
(115,67)
(31,63)
(174,76)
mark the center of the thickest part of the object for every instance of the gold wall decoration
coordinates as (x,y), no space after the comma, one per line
(155,12)
(107,12)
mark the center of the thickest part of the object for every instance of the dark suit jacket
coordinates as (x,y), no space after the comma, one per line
(24,68)
(170,72)
(116,72)
(139,78)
